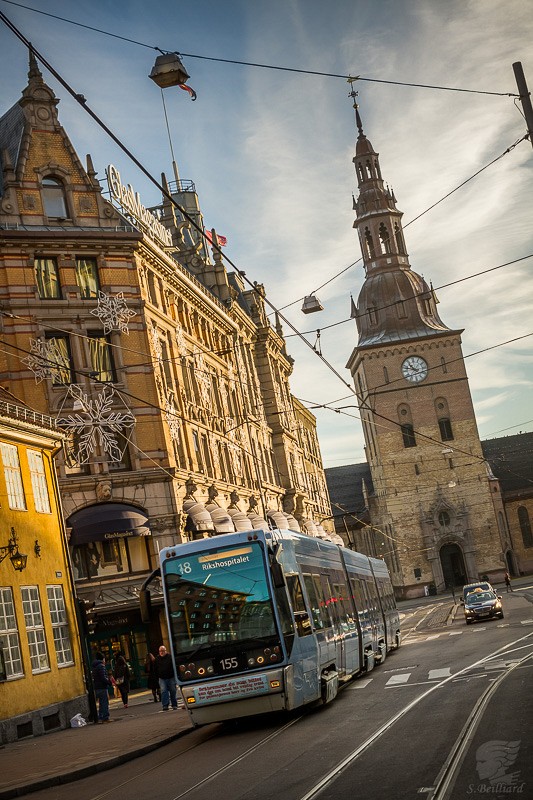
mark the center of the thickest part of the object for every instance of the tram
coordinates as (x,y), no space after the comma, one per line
(272,620)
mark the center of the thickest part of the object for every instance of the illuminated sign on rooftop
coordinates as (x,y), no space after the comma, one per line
(130,201)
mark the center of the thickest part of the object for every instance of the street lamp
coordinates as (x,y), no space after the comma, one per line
(17,558)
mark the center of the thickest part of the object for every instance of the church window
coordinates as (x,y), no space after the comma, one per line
(445,427)
(372,315)
(444,519)
(371,250)
(401,310)
(377,169)
(54,200)
(360,172)
(408,434)
(47,279)
(400,245)
(427,305)
(417,469)
(385,238)
(385,375)
(369,169)
(443,365)
(525,526)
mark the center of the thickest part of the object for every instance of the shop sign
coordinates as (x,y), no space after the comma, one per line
(130,202)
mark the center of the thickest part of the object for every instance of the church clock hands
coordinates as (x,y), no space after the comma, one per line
(414,369)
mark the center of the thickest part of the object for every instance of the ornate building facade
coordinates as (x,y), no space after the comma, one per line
(435,506)
(161,367)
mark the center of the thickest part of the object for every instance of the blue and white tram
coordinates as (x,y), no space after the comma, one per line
(271,620)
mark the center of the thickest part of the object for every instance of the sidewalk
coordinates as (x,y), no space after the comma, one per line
(67,755)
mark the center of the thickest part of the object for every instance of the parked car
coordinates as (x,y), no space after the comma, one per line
(485,586)
(482,605)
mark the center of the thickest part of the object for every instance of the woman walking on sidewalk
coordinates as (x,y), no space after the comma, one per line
(121,675)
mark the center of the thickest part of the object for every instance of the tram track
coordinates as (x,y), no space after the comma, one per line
(454,759)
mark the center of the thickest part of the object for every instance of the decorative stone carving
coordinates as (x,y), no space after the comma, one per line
(104,491)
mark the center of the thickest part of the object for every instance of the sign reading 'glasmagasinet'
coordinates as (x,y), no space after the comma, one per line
(130,202)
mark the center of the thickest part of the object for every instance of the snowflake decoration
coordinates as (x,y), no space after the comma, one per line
(94,422)
(173,420)
(113,312)
(181,342)
(46,359)
(155,343)
(203,379)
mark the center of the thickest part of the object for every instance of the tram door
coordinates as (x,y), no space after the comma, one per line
(334,611)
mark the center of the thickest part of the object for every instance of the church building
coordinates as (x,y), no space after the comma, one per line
(435,510)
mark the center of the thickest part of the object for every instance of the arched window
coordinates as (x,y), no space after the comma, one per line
(406,425)
(400,246)
(385,238)
(443,418)
(54,200)
(444,519)
(525,526)
(371,250)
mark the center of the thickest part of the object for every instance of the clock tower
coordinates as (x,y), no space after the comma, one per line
(436,510)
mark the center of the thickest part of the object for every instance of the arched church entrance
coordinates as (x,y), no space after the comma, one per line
(453,565)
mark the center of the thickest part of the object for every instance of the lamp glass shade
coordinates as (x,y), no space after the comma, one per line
(18,560)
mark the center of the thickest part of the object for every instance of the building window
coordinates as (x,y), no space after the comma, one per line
(54,200)
(31,605)
(47,279)
(9,635)
(372,315)
(58,618)
(87,277)
(408,434)
(125,460)
(15,489)
(525,526)
(446,432)
(100,358)
(41,498)
(385,238)
(59,359)
(371,250)
(444,519)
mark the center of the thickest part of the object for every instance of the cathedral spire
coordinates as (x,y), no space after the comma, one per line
(394,303)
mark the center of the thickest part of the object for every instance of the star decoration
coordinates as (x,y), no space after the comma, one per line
(93,423)
(113,312)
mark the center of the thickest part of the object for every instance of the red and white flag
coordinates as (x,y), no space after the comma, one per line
(222,241)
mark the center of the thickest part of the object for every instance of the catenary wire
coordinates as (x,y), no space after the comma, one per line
(263,66)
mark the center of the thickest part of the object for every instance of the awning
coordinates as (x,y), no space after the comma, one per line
(292,522)
(277,519)
(258,523)
(221,519)
(107,521)
(240,519)
(198,517)
(310,527)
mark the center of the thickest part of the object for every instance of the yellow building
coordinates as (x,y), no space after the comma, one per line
(41,666)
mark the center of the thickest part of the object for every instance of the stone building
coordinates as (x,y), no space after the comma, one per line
(159,363)
(41,658)
(435,508)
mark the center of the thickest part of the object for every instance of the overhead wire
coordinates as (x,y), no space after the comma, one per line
(258,65)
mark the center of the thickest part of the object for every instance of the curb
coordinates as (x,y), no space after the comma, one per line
(452,614)
(93,769)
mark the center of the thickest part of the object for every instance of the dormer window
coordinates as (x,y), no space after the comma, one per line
(54,200)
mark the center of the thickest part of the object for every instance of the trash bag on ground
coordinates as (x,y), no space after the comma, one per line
(77,721)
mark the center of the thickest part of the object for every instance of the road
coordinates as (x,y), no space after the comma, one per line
(448,715)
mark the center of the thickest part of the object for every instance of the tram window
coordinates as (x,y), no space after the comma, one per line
(298,605)
(321,601)
(343,605)
(332,602)
(313,601)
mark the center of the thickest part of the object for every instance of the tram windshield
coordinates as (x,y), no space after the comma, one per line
(219,597)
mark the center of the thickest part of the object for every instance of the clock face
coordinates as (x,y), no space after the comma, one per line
(414,369)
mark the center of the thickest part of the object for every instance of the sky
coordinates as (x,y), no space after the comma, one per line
(270,152)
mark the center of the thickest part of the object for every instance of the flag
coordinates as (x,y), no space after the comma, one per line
(222,241)
(188,89)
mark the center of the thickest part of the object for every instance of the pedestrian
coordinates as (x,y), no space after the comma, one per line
(152,681)
(121,675)
(167,680)
(101,683)
(508,582)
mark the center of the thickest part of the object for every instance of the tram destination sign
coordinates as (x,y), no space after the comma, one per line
(231,690)
(130,202)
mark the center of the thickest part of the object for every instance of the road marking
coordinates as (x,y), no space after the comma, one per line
(434,636)
(455,633)
(395,680)
(526,622)
(362,684)
(433,674)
